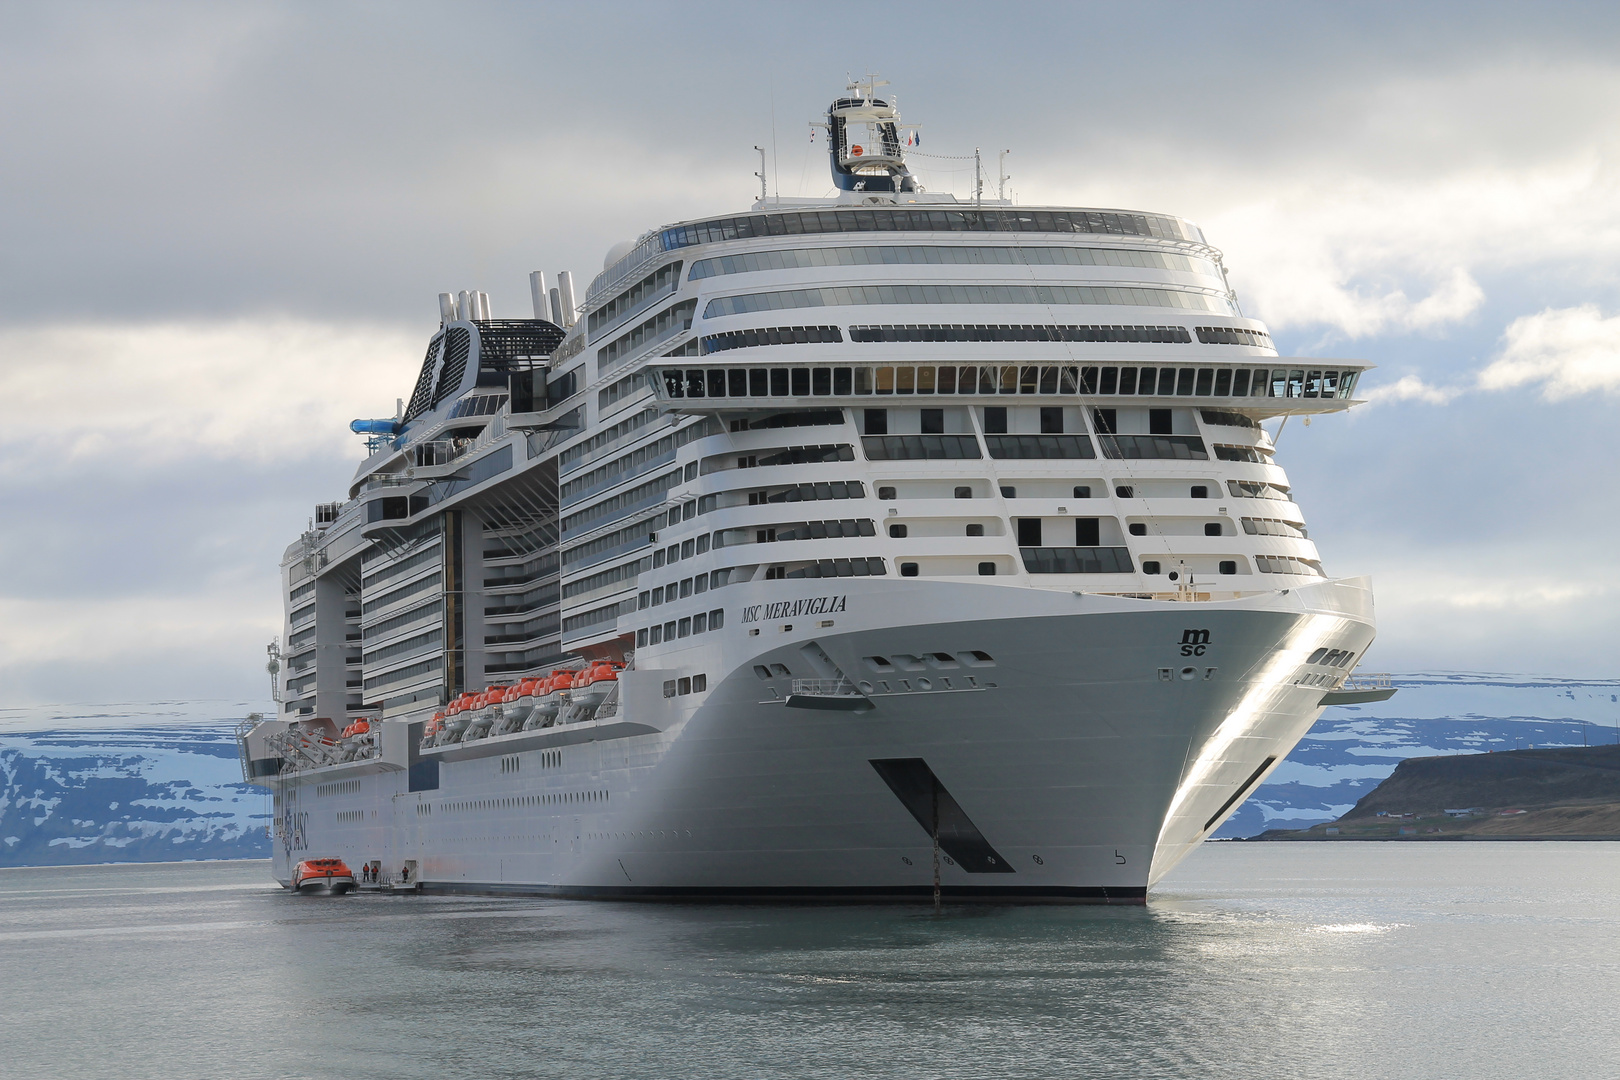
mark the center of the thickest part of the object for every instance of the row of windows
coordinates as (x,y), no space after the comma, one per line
(1029,295)
(772,335)
(640,532)
(301,616)
(927,332)
(542,595)
(829,568)
(478,405)
(302,591)
(1283,564)
(528,630)
(624,500)
(623,388)
(1076,560)
(405,674)
(835,489)
(1330,657)
(667,323)
(1234,335)
(594,617)
(995,379)
(701,623)
(1252,454)
(429,555)
(400,648)
(941,255)
(625,465)
(622,572)
(696,684)
(788,455)
(673,591)
(607,435)
(912,219)
(1273,527)
(664,279)
(415,587)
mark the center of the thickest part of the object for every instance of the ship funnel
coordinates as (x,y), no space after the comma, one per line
(554,298)
(565,291)
(463,305)
(447,308)
(538,293)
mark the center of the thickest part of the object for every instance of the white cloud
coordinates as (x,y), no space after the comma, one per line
(1569,351)
(1410,388)
(155,394)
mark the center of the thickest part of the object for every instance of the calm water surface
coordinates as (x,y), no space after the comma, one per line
(1253,960)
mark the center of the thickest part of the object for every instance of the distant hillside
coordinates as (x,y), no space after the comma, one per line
(1570,792)
(169,789)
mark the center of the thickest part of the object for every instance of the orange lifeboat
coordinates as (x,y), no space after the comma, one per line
(322,875)
(591,686)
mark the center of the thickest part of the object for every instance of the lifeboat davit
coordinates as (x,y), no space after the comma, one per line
(518,705)
(591,686)
(549,697)
(322,875)
(430,733)
(486,710)
(456,719)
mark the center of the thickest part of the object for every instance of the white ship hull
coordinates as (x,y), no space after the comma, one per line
(1084,776)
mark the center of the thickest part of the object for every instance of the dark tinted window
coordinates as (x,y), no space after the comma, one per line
(1228,566)
(1199,491)
(1029,532)
(1087,533)
(961,492)
(933,421)
(1138,528)
(1150,567)
(1051,420)
(1082,491)
(1212,528)
(899,531)
(908,569)
(975,530)
(995,420)
(877,422)
(885,492)
(1105,420)
(1158,421)
(987,569)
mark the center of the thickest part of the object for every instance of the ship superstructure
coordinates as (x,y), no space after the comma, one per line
(845,547)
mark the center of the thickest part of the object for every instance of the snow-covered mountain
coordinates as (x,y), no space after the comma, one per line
(147,782)
(160,781)
(1353,747)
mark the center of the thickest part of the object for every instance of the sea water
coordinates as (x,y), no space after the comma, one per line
(1365,960)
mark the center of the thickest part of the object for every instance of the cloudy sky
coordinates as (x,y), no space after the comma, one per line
(225,226)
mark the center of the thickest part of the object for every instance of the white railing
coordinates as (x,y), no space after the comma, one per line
(1379,680)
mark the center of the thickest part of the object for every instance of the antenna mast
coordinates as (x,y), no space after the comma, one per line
(761,173)
(1001,175)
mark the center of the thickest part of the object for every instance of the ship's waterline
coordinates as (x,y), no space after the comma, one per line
(809,565)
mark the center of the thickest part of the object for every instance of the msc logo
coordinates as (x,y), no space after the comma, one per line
(1194,642)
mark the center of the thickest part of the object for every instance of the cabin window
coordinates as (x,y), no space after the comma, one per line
(1106,421)
(1087,532)
(1082,491)
(975,530)
(886,493)
(1150,567)
(877,422)
(1158,421)
(1125,491)
(963,492)
(995,420)
(1138,528)
(897,531)
(1009,493)
(1228,566)
(1029,532)
(933,421)
(1199,491)
(1051,420)
(908,569)
(987,569)
(1212,528)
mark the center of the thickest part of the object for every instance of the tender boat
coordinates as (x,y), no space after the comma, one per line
(322,875)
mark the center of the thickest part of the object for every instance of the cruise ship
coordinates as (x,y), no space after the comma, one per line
(878,547)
